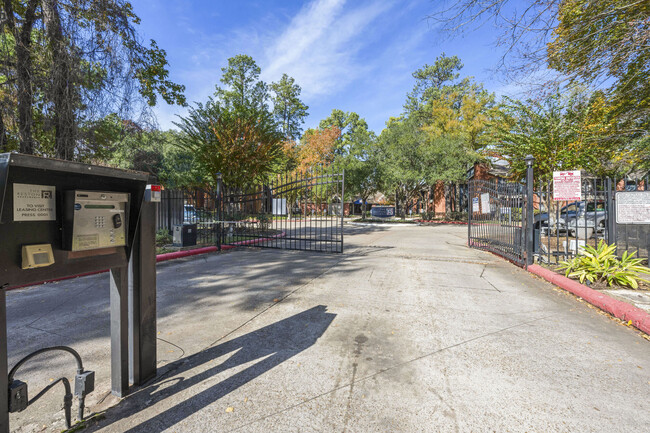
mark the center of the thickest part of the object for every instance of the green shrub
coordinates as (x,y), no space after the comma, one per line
(163,238)
(427,216)
(265,220)
(458,216)
(601,265)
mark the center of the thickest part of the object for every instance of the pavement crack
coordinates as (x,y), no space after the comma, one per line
(64,301)
(174,345)
(488,281)
(30,326)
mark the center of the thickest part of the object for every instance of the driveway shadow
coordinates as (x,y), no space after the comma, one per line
(274,343)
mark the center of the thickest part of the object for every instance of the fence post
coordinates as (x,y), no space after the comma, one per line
(611,216)
(342,206)
(470,195)
(528,226)
(219,204)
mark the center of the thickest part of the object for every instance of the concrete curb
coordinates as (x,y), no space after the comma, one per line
(624,311)
(163,258)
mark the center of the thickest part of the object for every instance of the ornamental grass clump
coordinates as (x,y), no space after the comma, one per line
(600,265)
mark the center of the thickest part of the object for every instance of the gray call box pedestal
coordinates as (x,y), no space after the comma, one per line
(61,218)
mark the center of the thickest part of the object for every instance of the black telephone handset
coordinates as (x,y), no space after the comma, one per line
(117,221)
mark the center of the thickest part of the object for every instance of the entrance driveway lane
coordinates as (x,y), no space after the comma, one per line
(377,339)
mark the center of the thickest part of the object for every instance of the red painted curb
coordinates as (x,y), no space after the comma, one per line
(624,311)
(163,258)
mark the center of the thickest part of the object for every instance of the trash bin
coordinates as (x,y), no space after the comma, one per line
(184,235)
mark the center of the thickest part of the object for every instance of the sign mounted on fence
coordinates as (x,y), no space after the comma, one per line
(485,203)
(633,207)
(279,206)
(475,207)
(567,186)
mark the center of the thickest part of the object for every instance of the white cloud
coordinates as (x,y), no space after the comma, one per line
(320,45)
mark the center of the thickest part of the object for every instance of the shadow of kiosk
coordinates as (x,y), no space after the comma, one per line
(59,219)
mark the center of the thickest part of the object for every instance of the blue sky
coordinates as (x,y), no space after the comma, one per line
(355,55)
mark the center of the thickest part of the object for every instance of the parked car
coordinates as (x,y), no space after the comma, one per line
(590,218)
(576,218)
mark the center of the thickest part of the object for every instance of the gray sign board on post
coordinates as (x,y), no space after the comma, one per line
(633,207)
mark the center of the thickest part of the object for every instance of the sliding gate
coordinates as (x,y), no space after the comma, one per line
(497,218)
(297,211)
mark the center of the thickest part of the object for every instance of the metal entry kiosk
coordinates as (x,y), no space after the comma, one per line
(60,219)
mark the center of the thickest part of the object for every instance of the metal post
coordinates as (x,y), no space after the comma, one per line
(219,204)
(470,195)
(4,383)
(342,206)
(611,212)
(528,227)
(119,286)
(142,298)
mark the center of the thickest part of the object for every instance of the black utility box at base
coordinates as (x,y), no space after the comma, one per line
(184,235)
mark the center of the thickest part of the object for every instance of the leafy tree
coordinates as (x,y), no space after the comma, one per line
(433,82)
(562,132)
(601,44)
(405,160)
(241,142)
(350,124)
(317,148)
(235,133)
(463,117)
(68,64)
(607,41)
(363,171)
(288,109)
(157,153)
(243,86)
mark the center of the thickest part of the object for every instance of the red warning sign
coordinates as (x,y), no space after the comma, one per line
(567,186)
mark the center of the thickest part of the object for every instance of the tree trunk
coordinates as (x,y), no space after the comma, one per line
(3,135)
(63,92)
(363,208)
(25,97)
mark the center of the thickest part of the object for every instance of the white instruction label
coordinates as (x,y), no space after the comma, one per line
(34,202)
(485,203)
(633,207)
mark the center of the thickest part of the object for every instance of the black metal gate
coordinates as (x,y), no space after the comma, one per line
(497,218)
(297,211)
(522,221)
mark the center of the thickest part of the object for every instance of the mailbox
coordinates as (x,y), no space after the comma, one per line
(61,218)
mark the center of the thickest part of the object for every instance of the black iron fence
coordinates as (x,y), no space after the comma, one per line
(496,218)
(301,211)
(524,222)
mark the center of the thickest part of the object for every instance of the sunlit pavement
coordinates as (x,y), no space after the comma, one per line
(407,331)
